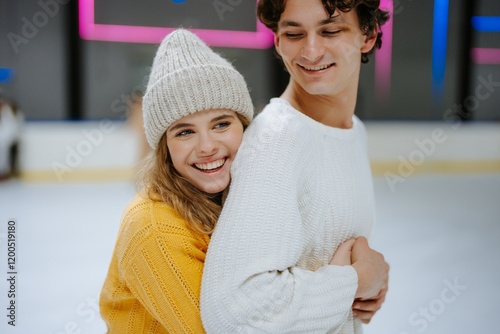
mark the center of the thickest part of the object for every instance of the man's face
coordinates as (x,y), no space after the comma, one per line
(321,53)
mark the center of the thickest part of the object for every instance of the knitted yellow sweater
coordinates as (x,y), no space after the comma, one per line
(153,282)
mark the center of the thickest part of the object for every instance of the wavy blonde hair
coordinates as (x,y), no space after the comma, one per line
(162,182)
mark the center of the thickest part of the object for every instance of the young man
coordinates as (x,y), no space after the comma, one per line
(302,188)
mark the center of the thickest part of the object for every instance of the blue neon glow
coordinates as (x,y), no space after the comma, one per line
(486,23)
(6,75)
(439,41)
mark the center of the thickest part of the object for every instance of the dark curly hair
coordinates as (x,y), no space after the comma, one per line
(371,17)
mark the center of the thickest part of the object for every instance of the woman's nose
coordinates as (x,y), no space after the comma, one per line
(207,145)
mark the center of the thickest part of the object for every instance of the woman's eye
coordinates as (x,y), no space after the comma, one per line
(222,125)
(184,133)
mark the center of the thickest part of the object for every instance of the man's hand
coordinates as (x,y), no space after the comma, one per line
(366,309)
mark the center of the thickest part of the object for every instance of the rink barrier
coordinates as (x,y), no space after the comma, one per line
(379,168)
(102,151)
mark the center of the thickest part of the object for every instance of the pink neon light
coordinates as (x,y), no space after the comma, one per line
(485,56)
(261,39)
(383,57)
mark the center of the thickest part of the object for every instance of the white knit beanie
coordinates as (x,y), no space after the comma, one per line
(186,77)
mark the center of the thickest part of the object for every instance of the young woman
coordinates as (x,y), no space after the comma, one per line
(196,108)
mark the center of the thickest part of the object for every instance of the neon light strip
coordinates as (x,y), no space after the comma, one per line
(6,75)
(485,56)
(261,39)
(439,41)
(383,57)
(486,23)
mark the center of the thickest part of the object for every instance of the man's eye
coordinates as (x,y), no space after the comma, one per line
(332,32)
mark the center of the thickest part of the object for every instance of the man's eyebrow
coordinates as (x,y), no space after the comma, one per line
(290,23)
(332,19)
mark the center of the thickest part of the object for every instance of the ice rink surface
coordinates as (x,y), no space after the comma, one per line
(440,234)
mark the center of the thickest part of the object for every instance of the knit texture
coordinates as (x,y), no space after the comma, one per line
(153,282)
(299,189)
(186,77)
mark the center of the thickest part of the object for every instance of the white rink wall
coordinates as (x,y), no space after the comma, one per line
(110,150)
(74,151)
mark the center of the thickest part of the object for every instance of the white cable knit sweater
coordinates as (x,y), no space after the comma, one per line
(299,190)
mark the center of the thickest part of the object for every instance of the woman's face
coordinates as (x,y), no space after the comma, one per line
(203,145)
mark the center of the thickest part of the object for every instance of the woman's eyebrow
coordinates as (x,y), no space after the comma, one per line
(184,125)
(178,126)
(218,118)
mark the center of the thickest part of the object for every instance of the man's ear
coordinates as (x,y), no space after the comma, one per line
(277,44)
(369,42)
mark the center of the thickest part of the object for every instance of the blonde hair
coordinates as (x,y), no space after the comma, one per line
(162,182)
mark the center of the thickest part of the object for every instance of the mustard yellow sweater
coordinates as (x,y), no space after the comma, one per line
(153,282)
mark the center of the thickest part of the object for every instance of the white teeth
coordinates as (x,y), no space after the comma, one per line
(317,68)
(211,165)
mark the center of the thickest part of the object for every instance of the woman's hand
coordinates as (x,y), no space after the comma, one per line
(373,280)
(373,271)
(373,275)
(342,256)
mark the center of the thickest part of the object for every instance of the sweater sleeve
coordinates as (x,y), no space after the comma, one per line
(162,267)
(251,280)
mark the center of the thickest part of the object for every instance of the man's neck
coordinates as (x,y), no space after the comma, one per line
(331,110)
